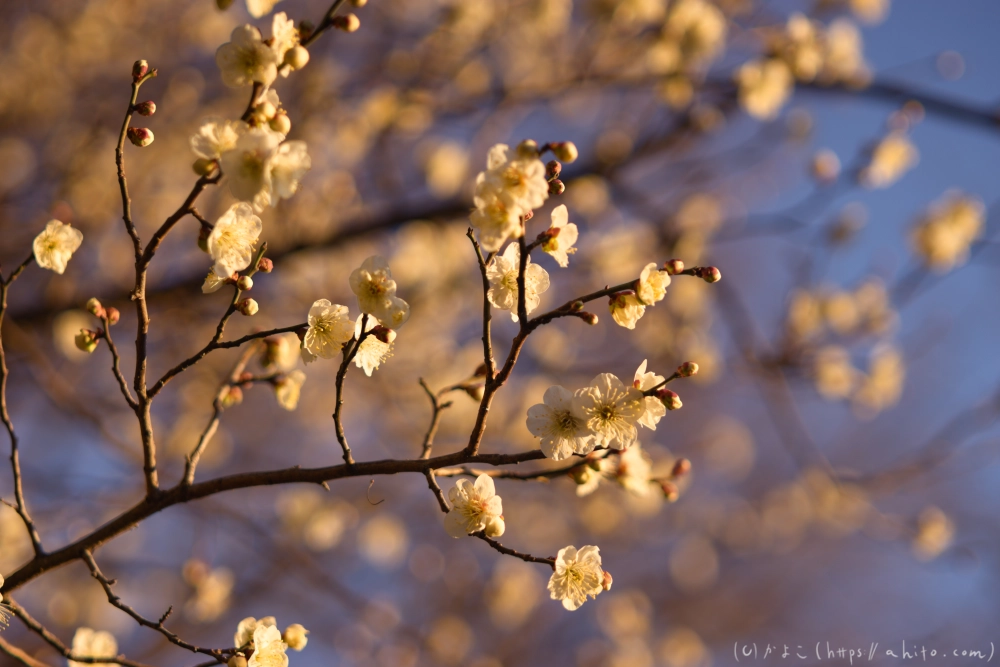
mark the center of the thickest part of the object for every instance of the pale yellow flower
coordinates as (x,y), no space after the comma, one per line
(562,433)
(653,408)
(248,165)
(231,243)
(893,156)
(626,309)
(268,648)
(246,628)
(295,636)
(577,574)
(376,292)
(563,236)
(55,245)
(259,8)
(652,286)
(473,506)
(502,274)
(246,59)
(216,136)
(764,87)
(610,410)
(288,389)
(373,351)
(330,327)
(89,643)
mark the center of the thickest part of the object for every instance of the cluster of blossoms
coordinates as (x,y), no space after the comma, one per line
(382,312)
(891,158)
(604,414)
(265,644)
(628,306)
(942,238)
(693,36)
(88,643)
(865,310)
(880,388)
(513,185)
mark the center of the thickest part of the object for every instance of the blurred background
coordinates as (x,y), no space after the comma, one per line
(842,428)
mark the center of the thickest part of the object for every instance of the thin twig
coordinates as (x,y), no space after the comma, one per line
(349,351)
(116,364)
(491,367)
(436,490)
(438,407)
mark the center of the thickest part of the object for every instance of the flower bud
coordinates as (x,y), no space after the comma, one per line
(247,307)
(223,5)
(139,69)
(86,340)
(670,399)
(140,136)
(589,318)
(203,166)
(673,266)
(297,56)
(576,306)
(295,637)
(480,371)
(527,148)
(359,3)
(347,23)
(556,187)
(687,369)
(608,579)
(231,396)
(245,283)
(474,391)
(281,123)
(95,308)
(581,474)
(669,491)
(681,468)
(147,108)
(265,265)
(565,151)
(552,169)
(710,274)
(265,110)
(495,527)
(825,166)
(203,235)
(113,315)
(245,379)
(384,334)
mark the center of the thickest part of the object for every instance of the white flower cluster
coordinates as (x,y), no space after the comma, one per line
(943,237)
(513,184)
(827,55)
(89,643)
(247,58)
(331,326)
(267,643)
(628,306)
(604,414)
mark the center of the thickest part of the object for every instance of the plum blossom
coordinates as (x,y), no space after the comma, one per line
(246,59)
(577,574)
(474,507)
(653,408)
(376,291)
(330,327)
(563,235)
(233,238)
(89,643)
(562,433)
(55,245)
(652,286)
(609,409)
(502,274)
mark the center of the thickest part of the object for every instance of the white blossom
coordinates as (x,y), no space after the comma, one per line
(764,87)
(213,282)
(562,432)
(577,574)
(653,408)
(652,285)
(494,219)
(626,309)
(588,477)
(246,59)
(295,636)
(891,158)
(216,136)
(259,8)
(249,165)
(330,326)
(284,36)
(473,506)
(564,235)
(89,643)
(55,245)
(502,274)
(511,186)
(246,628)
(233,238)
(281,352)
(288,389)
(372,351)
(288,165)
(609,409)
(634,470)
(268,648)
(376,292)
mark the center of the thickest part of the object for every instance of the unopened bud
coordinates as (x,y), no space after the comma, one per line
(480,371)
(552,169)
(237,660)
(231,396)
(495,527)
(245,378)
(711,274)
(147,108)
(113,315)
(576,306)
(297,56)
(265,265)
(670,399)
(565,151)
(295,637)
(140,136)
(681,468)
(203,166)
(347,23)
(203,235)
(265,111)
(825,166)
(86,340)
(384,334)
(669,491)
(673,266)
(474,391)
(581,474)
(687,369)
(359,3)
(223,5)
(95,308)
(139,69)
(527,148)
(245,283)
(247,307)
(281,123)
(589,318)
(608,580)
(556,187)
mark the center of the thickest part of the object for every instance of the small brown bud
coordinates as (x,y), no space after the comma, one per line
(113,315)
(687,369)
(608,580)
(556,187)
(139,69)
(669,491)
(589,318)
(231,396)
(245,283)
(140,136)
(237,660)
(475,391)
(147,108)
(347,23)
(552,169)
(223,5)
(297,57)
(576,306)
(203,235)
(359,3)
(528,148)
(265,265)
(95,308)
(681,468)
(203,166)
(384,334)
(670,399)
(281,123)
(480,371)
(711,274)
(247,307)
(673,266)
(565,151)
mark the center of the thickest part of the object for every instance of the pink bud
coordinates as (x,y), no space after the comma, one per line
(681,468)
(113,315)
(607,581)
(673,266)
(384,334)
(147,108)
(670,399)
(552,169)
(139,69)
(347,23)
(711,274)
(140,136)
(669,491)
(687,369)
(265,265)
(556,187)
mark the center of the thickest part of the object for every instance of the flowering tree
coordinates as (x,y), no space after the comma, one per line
(576,420)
